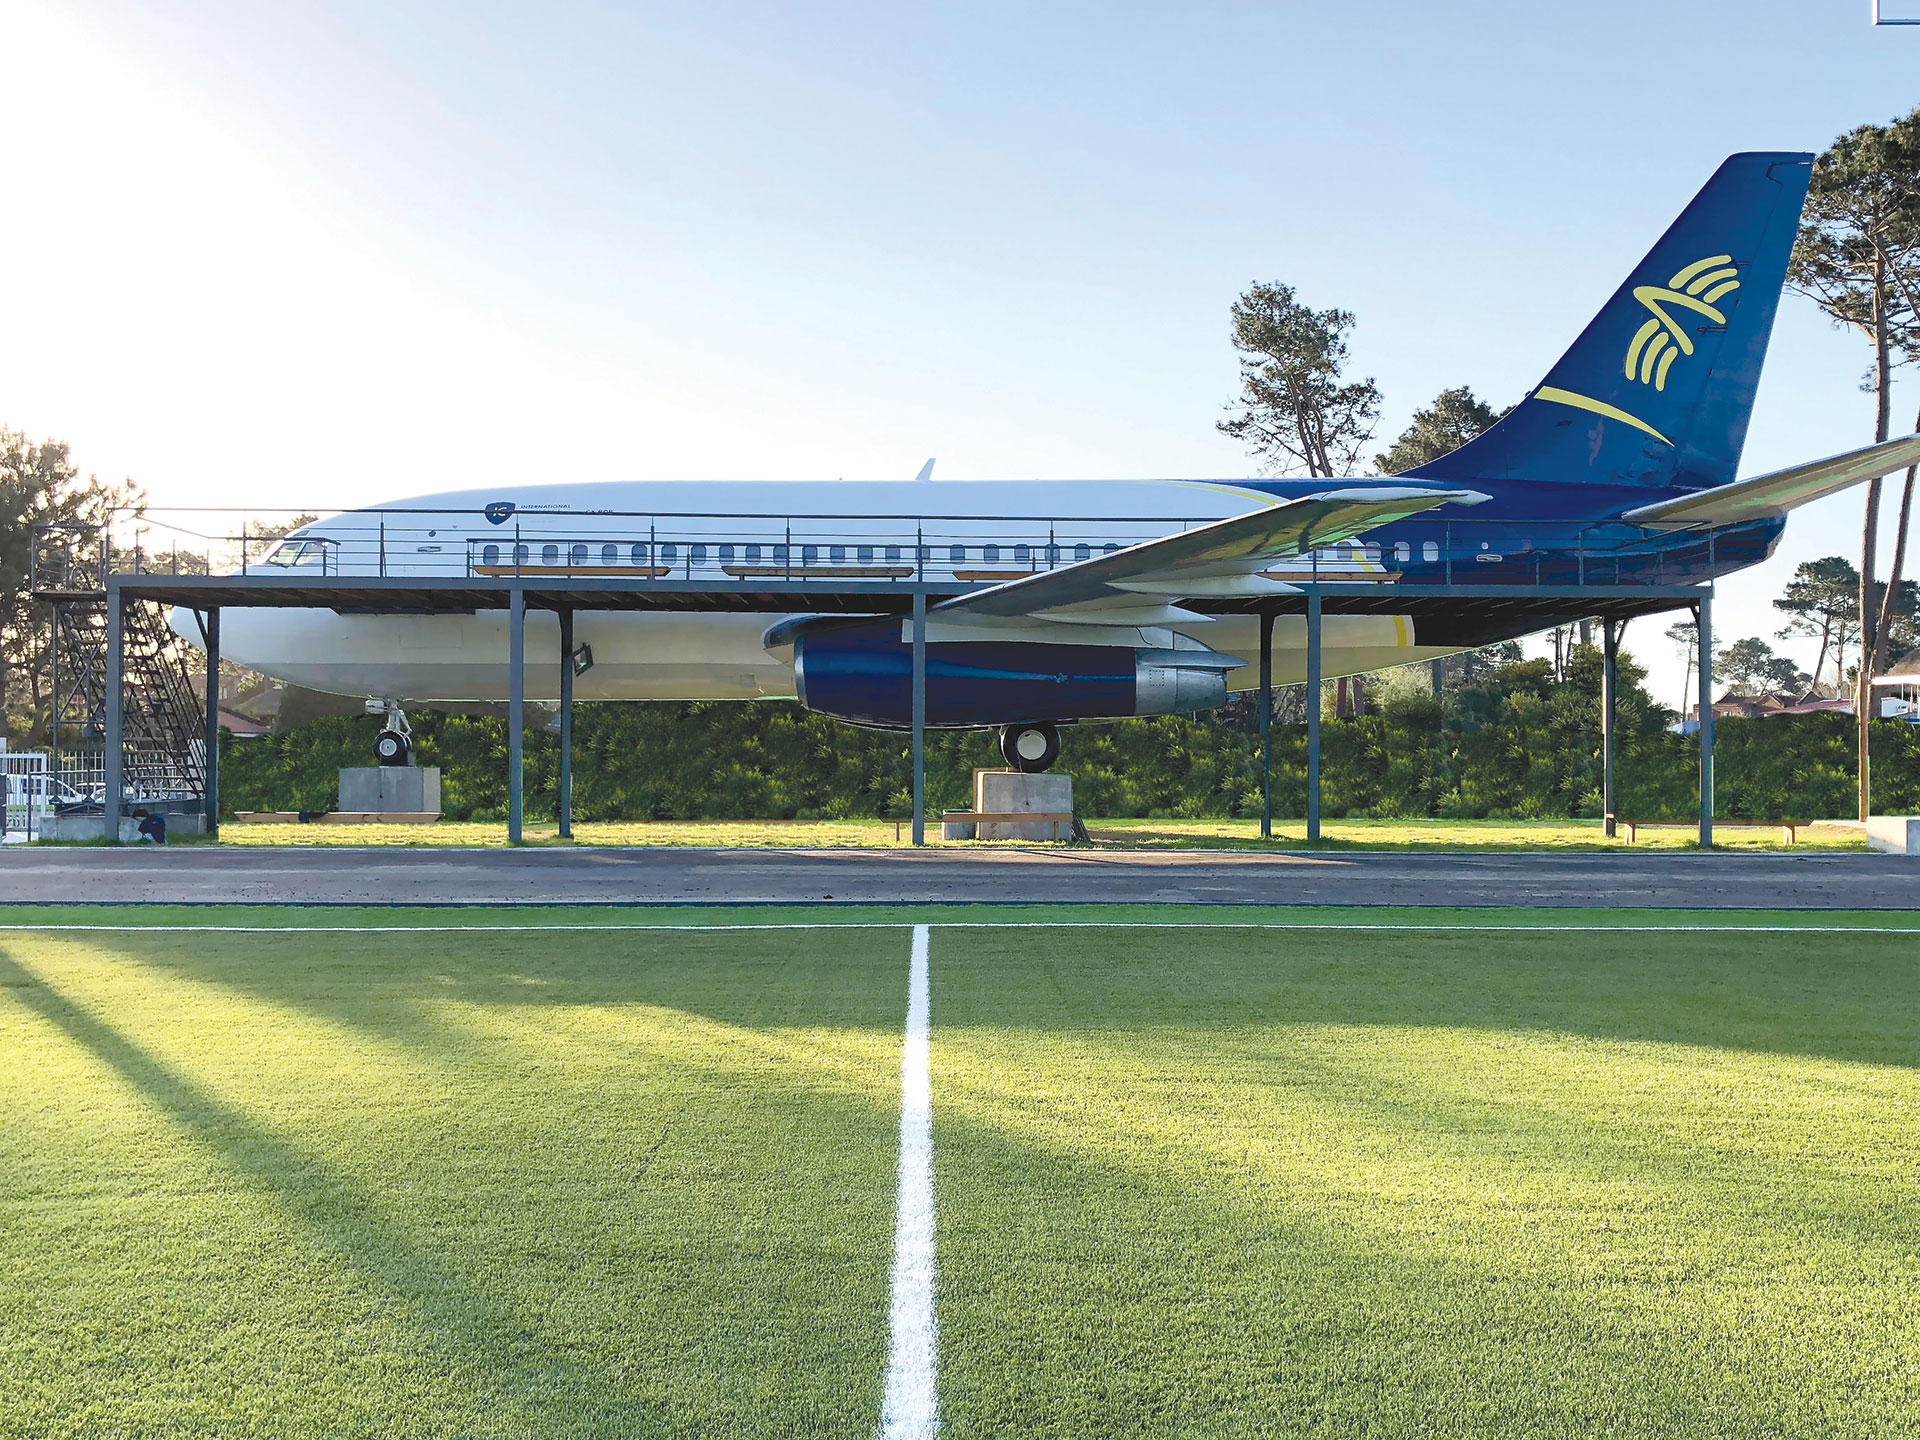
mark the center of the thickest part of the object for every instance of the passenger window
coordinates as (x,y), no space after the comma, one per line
(1022,555)
(956,554)
(780,554)
(1429,550)
(550,555)
(1402,552)
(866,554)
(609,554)
(697,554)
(753,554)
(490,555)
(837,554)
(519,554)
(1083,551)
(893,554)
(809,554)
(578,555)
(726,554)
(990,554)
(638,555)
(1109,548)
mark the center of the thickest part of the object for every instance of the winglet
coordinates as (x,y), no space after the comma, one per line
(926,473)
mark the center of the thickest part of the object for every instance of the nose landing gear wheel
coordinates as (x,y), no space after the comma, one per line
(390,747)
(1030,748)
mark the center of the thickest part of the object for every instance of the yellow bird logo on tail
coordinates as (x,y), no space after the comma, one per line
(1698,287)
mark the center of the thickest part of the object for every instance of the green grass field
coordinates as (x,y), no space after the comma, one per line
(1367,1180)
(1452,835)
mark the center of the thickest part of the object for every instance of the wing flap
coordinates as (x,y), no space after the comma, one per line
(1768,496)
(1211,559)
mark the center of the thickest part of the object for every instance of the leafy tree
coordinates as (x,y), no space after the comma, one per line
(1454,418)
(1685,634)
(1823,600)
(1858,257)
(39,485)
(1294,412)
(1903,616)
(1751,668)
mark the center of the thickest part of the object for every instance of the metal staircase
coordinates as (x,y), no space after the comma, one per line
(164,755)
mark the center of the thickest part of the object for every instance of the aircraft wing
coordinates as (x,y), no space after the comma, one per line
(1766,496)
(1221,558)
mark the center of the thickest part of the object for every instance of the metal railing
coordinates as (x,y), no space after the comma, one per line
(741,549)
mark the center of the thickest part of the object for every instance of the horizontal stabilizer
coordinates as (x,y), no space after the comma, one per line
(1202,557)
(1767,496)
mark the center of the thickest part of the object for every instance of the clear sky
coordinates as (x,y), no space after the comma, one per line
(324,254)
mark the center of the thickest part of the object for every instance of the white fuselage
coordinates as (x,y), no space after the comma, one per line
(728,534)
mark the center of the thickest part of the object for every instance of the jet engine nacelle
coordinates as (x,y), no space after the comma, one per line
(862,671)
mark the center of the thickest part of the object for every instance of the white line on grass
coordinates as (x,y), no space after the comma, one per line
(911,1410)
(1432,927)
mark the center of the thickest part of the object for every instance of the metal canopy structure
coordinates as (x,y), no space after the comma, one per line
(566,594)
(417,594)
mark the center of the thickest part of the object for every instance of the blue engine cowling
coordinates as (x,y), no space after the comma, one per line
(862,671)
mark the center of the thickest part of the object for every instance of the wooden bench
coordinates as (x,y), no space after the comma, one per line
(1023,817)
(1789,829)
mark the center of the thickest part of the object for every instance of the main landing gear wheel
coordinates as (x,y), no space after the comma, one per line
(1032,748)
(391,748)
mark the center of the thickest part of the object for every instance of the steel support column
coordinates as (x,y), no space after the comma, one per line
(210,768)
(1609,711)
(563,802)
(919,717)
(53,676)
(1704,611)
(516,708)
(1313,714)
(113,758)
(1266,724)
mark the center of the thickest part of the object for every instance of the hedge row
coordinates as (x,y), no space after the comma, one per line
(1516,746)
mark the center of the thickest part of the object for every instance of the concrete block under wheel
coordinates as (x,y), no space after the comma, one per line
(1002,792)
(407,789)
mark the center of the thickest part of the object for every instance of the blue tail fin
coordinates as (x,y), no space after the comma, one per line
(1658,388)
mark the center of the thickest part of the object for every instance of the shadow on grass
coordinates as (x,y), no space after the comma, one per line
(498,1361)
(1836,997)
(517,1335)
(1227,1198)
(399,985)
(1134,1293)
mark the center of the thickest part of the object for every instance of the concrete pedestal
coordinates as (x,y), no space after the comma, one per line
(94,827)
(386,789)
(1894,834)
(1012,792)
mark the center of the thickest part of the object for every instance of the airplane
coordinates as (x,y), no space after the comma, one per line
(1618,466)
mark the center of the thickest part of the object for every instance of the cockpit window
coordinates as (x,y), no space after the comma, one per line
(298,552)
